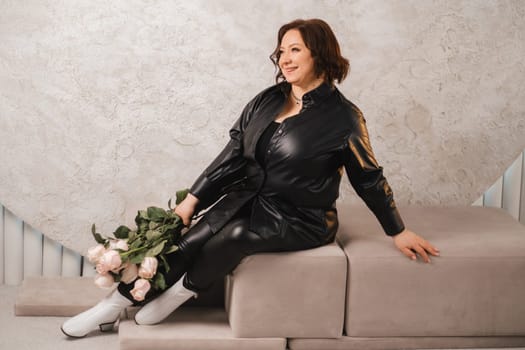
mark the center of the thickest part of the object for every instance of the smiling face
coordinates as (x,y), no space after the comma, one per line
(295,60)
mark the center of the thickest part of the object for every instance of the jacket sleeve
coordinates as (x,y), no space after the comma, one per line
(226,168)
(366,176)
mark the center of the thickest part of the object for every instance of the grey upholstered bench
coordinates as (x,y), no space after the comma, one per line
(473,295)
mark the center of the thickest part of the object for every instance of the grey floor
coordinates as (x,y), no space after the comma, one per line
(43,333)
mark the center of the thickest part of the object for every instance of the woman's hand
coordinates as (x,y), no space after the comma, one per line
(410,243)
(186,208)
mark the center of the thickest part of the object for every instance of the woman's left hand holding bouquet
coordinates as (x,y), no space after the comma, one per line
(186,208)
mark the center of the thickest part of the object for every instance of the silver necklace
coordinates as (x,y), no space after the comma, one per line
(297,100)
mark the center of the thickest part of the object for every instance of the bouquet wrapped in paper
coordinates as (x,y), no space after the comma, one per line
(135,255)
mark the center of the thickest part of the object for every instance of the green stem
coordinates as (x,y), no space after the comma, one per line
(132,251)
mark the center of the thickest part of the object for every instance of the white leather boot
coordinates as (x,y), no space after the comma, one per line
(161,307)
(104,315)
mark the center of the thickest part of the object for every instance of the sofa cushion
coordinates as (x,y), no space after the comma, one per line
(57,296)
(405,343)
(288,294)
(475,288)
(191,328)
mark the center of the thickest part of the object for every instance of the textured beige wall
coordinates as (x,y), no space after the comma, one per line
(109,106)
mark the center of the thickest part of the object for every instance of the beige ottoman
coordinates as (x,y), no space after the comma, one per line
(191,328)
(289,294)
(475,288)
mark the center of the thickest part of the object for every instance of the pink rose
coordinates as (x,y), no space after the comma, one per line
(110,261)
(104,280)
(148,267)
(129,274)
(118,244)
(140,289)
(95,253)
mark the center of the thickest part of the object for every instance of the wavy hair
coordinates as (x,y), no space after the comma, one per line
(321,41)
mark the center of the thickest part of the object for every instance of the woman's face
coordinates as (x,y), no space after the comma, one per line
(296,61)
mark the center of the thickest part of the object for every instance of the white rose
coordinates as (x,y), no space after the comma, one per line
(118,244)
(140,289)
(95,253)
(148,267)
(104,280)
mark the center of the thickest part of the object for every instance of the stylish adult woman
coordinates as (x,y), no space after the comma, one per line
(278,177)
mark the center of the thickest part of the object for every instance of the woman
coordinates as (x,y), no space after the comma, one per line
(278,177)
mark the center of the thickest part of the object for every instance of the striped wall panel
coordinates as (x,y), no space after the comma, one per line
(24,251)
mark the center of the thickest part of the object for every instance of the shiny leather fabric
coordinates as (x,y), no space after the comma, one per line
(296,193)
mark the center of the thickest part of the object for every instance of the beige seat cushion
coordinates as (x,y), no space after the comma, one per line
(288,294)
(191,328)
(475,288)
(405,343)
(57,296)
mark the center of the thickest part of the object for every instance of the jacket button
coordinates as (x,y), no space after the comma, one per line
(280,131)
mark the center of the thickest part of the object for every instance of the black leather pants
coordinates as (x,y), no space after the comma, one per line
(206,256)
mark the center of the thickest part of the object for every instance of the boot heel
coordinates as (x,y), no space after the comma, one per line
(107,327)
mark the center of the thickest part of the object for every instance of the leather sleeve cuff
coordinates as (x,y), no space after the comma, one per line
(391,221)
(202,188)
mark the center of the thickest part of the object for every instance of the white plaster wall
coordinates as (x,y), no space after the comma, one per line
(107,107)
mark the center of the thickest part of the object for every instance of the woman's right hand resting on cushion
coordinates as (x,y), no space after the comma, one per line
(186,208)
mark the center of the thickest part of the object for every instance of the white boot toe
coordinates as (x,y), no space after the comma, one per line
(160,308)
(102,315)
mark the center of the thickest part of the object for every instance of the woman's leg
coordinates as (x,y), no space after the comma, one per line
(225,250)
(218,256)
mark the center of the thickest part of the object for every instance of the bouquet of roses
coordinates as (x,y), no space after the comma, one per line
(134,255)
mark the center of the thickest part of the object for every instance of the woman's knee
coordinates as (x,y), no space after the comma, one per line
(237,233)
(190,243)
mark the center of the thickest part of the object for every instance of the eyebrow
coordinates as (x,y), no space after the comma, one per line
(292,44)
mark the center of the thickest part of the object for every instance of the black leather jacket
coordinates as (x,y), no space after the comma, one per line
(297,191)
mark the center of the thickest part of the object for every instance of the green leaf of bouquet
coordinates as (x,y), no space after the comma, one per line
(131,236)
(137,259)
(142,216)
(159,282)
(181,194)
(98,237)
(122,232)
(143,227)
(172,249)
(169,205)
(153,225)
(164,262)
(156,250)
(156,214)
(135,244)
(152,234)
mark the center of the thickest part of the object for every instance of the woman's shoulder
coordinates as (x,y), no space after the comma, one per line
(348,110)
(269,93)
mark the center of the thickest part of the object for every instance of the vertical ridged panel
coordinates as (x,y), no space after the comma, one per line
(512,188)
(13,249)
(33,242)
(522,200)
(52,258)
(88,269)
(70,263)
(492,197)
(2,265)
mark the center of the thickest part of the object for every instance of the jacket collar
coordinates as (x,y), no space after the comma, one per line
(312,97)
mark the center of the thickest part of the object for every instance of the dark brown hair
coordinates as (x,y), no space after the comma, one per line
(320,40)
